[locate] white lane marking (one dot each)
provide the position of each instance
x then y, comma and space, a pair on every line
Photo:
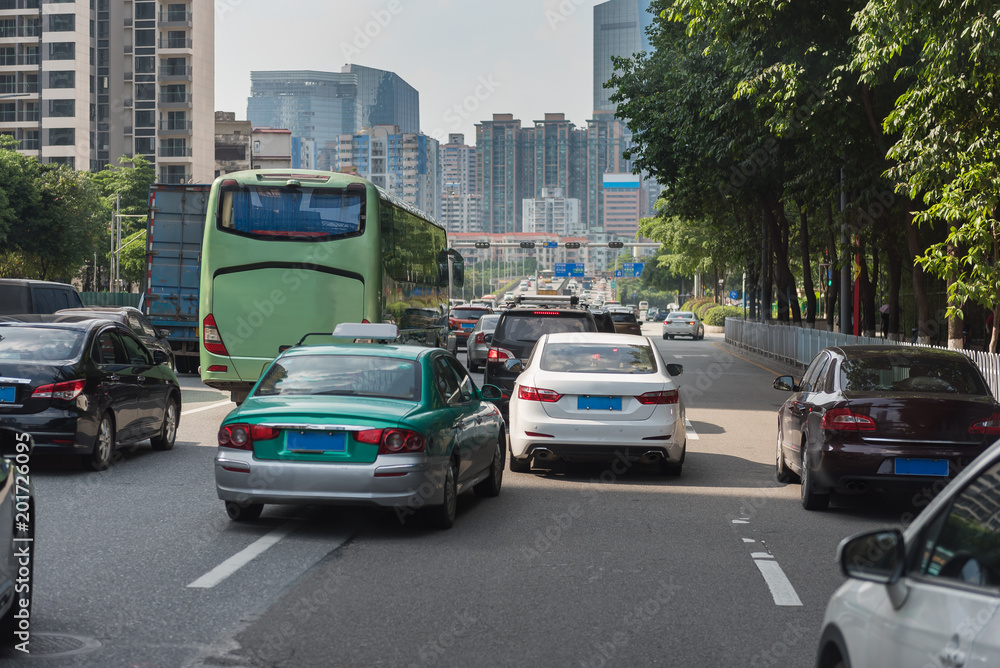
749, 540
762, 555
242, 558
206, 408
782, 590
691, 433
680, 357
741, 521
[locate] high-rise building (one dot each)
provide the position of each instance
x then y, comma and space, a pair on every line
318, 107
84, 82
619, 30
504, 172
559, 157
460, 208
553, 213
623, 204
404, 164
606, 143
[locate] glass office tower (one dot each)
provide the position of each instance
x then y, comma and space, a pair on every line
619, 30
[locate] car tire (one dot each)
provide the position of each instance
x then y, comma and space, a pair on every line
443, 516
104, 445
782, 473
520, 465
470, 365
491, 485
243, 512
168, 430
665, 337
810, 499
671, 469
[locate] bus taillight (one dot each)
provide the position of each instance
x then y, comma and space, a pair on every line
211, 337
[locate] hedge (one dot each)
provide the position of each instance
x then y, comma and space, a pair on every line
716, 317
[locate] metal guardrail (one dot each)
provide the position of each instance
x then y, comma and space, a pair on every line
798, 345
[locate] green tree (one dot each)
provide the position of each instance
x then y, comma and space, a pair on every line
19, 200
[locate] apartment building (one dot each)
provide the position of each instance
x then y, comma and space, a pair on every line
460, 206
84, 82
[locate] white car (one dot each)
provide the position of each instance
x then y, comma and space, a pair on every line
929, 595
596, 397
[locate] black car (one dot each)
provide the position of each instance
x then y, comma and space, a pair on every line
85, 388
520, 327
18, 295
131, 317
17, 519
605, 323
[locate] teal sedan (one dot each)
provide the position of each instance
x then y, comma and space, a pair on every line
396, 426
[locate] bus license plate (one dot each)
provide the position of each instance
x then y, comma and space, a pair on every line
8, 394
599, 403
317, 441
906, 466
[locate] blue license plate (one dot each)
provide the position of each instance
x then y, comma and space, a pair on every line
316, 441
468, 325
8, 394
599, 403
906, 466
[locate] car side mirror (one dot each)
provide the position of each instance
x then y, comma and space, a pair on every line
874, 556
784, 383
513, 366
164, 332
14, 443
160, 357
491, 393
675, 369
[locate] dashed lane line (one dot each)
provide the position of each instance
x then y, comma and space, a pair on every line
205, 408
242, 558
691, 433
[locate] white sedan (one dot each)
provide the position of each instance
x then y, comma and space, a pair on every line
596, 397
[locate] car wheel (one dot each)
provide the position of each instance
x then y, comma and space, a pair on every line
168, 431
243, 512
470, 365
782, 472
810, 499
443, 516
100, 458
671, 469
665, 337
491, 485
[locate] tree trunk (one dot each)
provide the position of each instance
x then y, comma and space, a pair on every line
833, 289
807, 277
869, 283
919, 287
956, 325
895, 283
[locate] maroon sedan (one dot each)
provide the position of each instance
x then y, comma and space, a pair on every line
882, 417
462, 319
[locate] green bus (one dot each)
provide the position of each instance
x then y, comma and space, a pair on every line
293, 252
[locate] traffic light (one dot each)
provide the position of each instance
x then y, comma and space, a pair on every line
615, 244
572, 244
527, 244
482, 244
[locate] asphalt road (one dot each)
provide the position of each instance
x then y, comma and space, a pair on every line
608, 565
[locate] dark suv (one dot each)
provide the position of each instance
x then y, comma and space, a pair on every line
22, 296
520, 327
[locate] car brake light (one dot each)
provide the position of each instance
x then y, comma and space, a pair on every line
400, 441
499, 355
236, 436
664, 397
261, 433
545, 312
480, 338
537, 394
453, 323
987, 427
843, 419
369, 436
211, 337
67, 391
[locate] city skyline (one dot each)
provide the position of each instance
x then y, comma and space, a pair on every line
457, 56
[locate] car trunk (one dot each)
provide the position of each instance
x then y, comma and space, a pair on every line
589, 396
18, 381
322, 429
922, 417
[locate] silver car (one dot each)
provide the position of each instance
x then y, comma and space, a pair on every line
478, 345
683, 323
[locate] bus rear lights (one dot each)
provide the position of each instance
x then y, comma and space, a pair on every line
211, 338
218, 368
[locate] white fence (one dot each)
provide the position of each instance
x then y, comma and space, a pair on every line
798, 345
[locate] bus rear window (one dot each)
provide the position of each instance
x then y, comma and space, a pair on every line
276, 212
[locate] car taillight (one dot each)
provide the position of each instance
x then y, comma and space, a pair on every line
499, 355
236, 436
262, 433
843, 419
537, 394
400, 441
987, 427
664, 397
453, 323
480, 338
66, 391
211, 338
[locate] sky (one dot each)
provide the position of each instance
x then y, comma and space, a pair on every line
468, 59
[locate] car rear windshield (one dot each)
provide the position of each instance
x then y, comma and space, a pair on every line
40, 344
346, 375
529, 327
468, 313
597, 358
906, 373
623, 317
680, 316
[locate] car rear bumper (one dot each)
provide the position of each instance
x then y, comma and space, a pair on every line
586, 440
681, 331
860, 466
56, 430
402, 481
